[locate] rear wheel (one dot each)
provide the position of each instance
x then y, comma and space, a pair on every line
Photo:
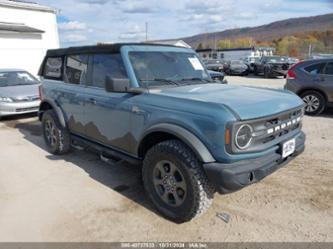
314, 102
175, 181
56, 137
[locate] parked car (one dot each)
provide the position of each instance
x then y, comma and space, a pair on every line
272, 66
236, 67
312, 80
215, 65
156, 106
292, 60
217, 76
250, 61
18, 92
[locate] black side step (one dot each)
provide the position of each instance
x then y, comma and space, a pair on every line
111, 161
106, 154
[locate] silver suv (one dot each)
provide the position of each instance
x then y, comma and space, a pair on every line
312, 80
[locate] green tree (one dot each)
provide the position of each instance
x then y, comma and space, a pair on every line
244, 42
200, 46
225, 43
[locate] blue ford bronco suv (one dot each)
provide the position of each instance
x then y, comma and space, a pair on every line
156, 106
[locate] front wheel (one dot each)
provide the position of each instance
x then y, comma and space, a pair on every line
314, 102
175, 181
255, 71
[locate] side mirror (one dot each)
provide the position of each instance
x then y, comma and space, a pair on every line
117, 85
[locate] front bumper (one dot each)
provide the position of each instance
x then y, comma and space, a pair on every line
278, 72
15, 108
230, 177
238, 72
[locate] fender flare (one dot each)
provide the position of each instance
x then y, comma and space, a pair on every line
57, 110
185, 136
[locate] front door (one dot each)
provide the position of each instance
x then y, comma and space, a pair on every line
107, 114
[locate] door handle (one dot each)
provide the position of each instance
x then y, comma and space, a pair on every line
92, 101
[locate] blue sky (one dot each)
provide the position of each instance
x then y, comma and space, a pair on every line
92, 21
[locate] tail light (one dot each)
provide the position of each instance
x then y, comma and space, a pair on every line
291, 73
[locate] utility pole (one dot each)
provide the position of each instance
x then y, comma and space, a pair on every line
146, 25
310, 50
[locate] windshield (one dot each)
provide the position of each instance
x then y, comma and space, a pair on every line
275, 59
16, 78
165, 68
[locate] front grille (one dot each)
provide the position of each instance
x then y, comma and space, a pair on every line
26, 99
281, 67
277, 126
270, 131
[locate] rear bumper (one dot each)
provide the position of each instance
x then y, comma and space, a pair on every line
7, 109
230, 177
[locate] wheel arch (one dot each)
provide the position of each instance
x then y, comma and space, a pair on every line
50, 105
162, 132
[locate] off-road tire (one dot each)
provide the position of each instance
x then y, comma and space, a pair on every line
321, 99
61, 137
200, 192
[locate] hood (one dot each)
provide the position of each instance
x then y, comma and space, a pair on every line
246, 102
19, 91
239, 66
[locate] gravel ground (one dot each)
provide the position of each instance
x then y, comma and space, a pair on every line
79, 198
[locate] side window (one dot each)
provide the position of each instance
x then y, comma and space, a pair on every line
315, 68
76, 69
106, 67
329, 68
53, 68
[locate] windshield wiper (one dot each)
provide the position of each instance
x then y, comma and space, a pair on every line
195, 79
170, 82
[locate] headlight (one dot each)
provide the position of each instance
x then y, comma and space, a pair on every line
243, 136
5, 99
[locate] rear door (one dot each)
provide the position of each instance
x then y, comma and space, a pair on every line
328, 80
107, 114
65, 88
72, 96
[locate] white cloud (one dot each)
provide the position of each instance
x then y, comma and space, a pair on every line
247, 15
95, 1
94, 21
138, 7
135, 33
74, 38
72, 25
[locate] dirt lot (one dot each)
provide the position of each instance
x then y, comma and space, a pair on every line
79, 198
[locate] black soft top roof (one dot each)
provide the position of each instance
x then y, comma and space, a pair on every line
101, 48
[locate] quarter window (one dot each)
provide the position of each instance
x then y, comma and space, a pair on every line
329, 68
76, 69
107, 67
53, 68
315, 68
